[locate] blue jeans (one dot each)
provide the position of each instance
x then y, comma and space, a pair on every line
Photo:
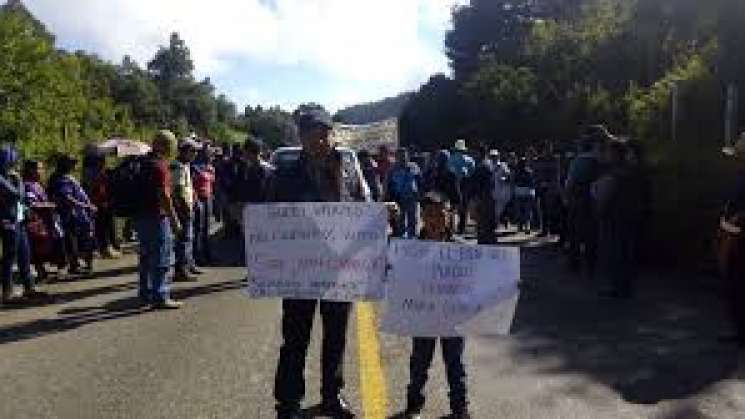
408, 219
185, 246
156, 256
16, 250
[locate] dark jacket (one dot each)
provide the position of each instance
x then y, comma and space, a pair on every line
297, 182
734, 206
372, 177
251, 182
482, 182
11, 192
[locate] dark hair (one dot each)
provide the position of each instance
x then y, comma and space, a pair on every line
29, 167
65, 164
252, 146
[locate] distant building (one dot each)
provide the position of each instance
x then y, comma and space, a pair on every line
367, 137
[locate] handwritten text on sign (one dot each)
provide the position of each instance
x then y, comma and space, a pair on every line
448, 289
332, 251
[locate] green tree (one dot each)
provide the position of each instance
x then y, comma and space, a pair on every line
435, 116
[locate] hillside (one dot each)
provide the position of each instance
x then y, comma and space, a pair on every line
367, 113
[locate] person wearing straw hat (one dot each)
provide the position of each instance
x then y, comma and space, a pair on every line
732, 243
462, 166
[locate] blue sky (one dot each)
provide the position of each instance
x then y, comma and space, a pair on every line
271, 52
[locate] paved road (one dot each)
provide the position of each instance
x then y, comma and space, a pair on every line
96, 354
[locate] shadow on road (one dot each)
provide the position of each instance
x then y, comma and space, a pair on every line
73, 318
661, 345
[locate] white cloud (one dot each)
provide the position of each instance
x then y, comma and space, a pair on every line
352, 41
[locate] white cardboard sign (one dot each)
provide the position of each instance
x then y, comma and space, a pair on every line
449, 289
331, 251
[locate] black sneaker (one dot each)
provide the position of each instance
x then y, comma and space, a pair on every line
289, 413
337, 408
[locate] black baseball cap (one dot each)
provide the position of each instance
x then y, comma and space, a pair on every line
310, 115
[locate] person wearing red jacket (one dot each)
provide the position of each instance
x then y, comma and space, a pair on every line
203, 179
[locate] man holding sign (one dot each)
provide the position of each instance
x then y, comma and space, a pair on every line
317, 176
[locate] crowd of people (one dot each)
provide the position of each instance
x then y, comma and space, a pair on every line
594, 202
62, 222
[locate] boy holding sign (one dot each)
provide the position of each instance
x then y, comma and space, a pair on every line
435, 214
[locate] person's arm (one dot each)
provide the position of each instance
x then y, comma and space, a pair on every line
9, 187
68, 195
163, 187
167, 203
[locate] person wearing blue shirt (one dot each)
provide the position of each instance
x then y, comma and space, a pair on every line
404, 185
462, 166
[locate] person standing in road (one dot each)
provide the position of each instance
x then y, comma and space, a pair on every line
483, 195
156, 225
435, 214
183, 201
77, 213
203, 177
440, 178
317, 176
403, 188
502, 185
13, 217
618, 198
732, 244
546, 177
384, 162
372, 176
44, 226
98, 187
252, 177
462, 166
584, 170
524, 196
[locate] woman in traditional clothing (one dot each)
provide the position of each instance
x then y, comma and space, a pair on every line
76, 211
45, 233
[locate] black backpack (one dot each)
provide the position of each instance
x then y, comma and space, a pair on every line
129, 184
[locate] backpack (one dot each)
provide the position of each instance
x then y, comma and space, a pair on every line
129, 182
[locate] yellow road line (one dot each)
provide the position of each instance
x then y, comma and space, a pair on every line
372, 377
